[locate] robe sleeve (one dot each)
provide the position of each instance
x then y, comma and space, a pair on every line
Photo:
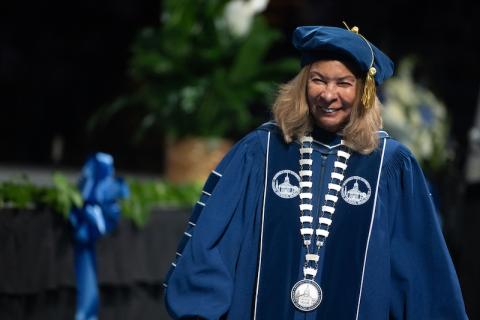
424, 284
201, 281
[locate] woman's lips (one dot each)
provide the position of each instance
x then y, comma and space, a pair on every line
329, 110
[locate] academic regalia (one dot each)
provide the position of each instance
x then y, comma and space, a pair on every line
242, 252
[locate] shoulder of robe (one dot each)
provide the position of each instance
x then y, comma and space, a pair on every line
253, 144
268, 130
397, 156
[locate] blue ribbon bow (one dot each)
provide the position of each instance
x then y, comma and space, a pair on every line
99, 215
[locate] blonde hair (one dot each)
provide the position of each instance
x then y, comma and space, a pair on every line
292, 114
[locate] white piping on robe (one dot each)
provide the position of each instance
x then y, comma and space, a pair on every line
370, 230
261, 230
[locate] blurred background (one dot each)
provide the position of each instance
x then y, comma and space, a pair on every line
148, 80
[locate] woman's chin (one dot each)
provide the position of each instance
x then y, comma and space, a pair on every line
330, 124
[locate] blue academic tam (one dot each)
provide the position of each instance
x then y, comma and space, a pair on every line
317, 42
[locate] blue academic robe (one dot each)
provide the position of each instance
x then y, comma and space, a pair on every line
242, 253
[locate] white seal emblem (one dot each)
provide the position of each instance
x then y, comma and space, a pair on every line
283, 185
356, 190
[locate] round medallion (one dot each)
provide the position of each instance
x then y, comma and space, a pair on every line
306, 295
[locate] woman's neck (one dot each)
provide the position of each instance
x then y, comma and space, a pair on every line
324, 136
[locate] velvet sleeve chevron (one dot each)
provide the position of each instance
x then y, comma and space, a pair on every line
200, 282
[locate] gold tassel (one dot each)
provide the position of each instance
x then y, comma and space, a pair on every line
369, 91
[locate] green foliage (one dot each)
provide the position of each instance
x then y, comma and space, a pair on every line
193, 76
146, 195
21, 193
62, 196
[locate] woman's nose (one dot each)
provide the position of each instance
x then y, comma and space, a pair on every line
329, 94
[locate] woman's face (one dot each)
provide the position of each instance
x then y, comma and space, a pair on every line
331, 94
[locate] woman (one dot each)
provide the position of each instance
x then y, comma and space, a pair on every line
318, 215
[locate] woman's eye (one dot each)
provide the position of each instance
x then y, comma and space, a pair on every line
318, 80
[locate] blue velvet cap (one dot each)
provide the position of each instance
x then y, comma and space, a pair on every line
320, 42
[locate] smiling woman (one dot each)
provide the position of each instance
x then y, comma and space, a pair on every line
322, 171
331, 94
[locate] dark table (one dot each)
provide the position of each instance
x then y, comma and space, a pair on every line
37, 278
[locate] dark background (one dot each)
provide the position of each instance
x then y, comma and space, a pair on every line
60, 61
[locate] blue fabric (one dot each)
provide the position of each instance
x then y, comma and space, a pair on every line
408, 271
422, 278
345, 245
314, 42
223, 240
99, 215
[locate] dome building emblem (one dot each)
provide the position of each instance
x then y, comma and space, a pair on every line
286, 184
356, 190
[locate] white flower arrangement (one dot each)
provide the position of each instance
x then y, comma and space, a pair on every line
414, 116
238, 15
